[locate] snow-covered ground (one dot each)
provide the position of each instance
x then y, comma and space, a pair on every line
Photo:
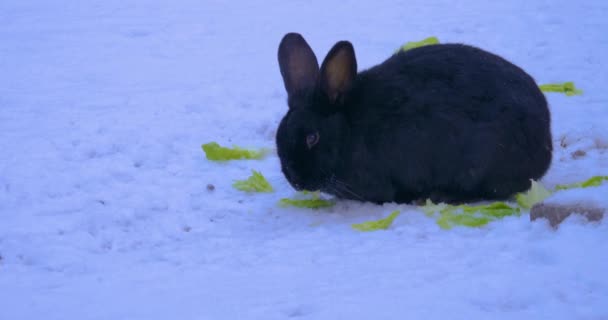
104, 210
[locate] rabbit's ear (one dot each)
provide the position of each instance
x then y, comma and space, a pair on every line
298, 63
338, 71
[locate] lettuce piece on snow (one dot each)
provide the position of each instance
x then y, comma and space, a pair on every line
449, 219
314, 202
416, 44
591, 182
381, 224
215, 152
495, 210
306, 203
594, 182
468, 216
534, 195
567, 88
255, 183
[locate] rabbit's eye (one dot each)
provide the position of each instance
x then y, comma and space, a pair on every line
312, 139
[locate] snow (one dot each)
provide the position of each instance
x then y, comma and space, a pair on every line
103, 201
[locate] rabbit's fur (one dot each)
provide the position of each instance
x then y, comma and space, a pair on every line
448, 122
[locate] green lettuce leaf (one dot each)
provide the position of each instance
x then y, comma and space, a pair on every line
215, 152
313, 201
416, 44
449, 219
449, 216
567, 88
534, 195
594, 182
306, 203
591, 182
255, 183
381, 224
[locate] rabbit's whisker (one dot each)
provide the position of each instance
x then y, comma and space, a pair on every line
343, 188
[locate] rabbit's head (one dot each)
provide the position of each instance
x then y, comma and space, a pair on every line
314, 130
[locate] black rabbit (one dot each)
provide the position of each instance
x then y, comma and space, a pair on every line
448, 122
